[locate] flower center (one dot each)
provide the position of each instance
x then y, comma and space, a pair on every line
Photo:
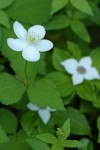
81, 70
31, 40
32, 37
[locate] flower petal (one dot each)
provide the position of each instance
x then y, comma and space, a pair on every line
43, 45
16, 44
77, 78
44, 115
19, 30
91, 74
31, 54
32, 107
86, 62
70, 65
37, 30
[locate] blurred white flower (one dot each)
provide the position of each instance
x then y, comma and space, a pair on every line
29, 42
81, 70
44, 113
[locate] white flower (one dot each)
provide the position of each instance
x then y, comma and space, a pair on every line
81, 70
44, 113
31, 42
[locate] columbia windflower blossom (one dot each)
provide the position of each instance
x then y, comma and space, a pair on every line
30, 42
44, 113
80, 70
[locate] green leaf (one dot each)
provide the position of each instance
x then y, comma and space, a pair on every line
86, 91
11, 90
15, 144
30, 11
80, 30
5, 50
1, 68
59, 55
58, 22
21, 105
96, 17
45, 128
47, 138
37, 144
21, 140
74, 50
26, 68
87, 144
69, 99
63, 82
72, 143
44, 93
66, 129
98, 126
3, 137
86, 106
96, 103
1, 39
58, 4
28, 121
8, 121
4, 20
83, 6
80, 15
57, 146
12, 144
5, 3
42, 64
79, 123
96, 58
